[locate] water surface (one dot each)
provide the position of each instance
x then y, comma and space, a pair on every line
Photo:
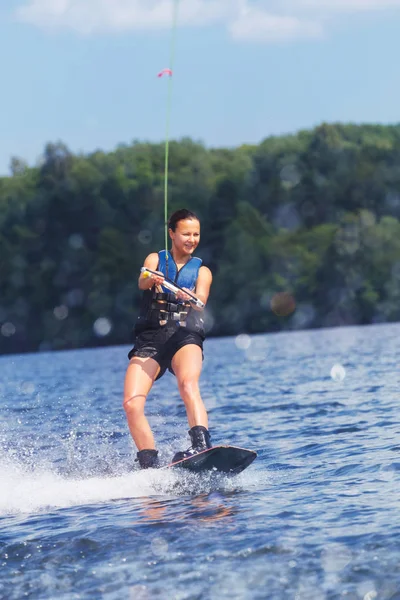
315, 517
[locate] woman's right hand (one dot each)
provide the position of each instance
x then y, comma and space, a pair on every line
157, 278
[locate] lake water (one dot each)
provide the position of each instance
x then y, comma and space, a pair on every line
315, 517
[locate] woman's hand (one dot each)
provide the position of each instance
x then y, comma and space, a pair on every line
157, 278
147, 280
182, 296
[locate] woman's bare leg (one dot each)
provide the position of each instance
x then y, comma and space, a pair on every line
140, 376
187, 364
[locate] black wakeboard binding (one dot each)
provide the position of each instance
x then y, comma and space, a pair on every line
201, 440
148, 459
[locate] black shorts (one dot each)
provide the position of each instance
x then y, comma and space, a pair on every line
162, 344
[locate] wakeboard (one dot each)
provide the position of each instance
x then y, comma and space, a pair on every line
222, 459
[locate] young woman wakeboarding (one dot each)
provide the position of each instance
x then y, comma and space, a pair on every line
169, 334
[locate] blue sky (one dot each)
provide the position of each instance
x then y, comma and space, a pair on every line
85, 72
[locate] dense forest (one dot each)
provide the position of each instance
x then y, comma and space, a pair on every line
300, 231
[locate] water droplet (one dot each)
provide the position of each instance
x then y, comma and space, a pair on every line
208, 320
8, 329
338, 372
304, 316
290, 176
370, 595
243, 341
102, 326
145, 236
76, 241
286, 217
265, 300
61, 312
283, 304
27, 387
138, 592
335, 558
159, 546
75, 297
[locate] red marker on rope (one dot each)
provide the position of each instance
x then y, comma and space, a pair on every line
165, 72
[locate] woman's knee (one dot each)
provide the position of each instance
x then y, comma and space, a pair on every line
134, 405
188, 386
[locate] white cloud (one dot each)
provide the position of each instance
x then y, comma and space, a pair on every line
253, 20
259, 26
345, 6
92, 16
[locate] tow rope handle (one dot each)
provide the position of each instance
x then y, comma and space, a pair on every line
173, 287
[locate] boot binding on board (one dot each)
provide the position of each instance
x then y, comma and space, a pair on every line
147, 459
201, 440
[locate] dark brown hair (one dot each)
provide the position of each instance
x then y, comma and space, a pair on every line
181, 215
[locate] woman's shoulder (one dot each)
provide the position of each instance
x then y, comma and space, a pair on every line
151, 260
205, 271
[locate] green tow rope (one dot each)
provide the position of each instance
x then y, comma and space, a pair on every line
169, 102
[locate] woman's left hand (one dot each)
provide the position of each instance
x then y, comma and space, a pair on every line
182, 296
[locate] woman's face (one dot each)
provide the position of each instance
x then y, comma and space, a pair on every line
186, 236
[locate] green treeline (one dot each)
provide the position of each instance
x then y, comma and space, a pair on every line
299, 231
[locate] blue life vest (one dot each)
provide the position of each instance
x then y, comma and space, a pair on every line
186, 277
159, 308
